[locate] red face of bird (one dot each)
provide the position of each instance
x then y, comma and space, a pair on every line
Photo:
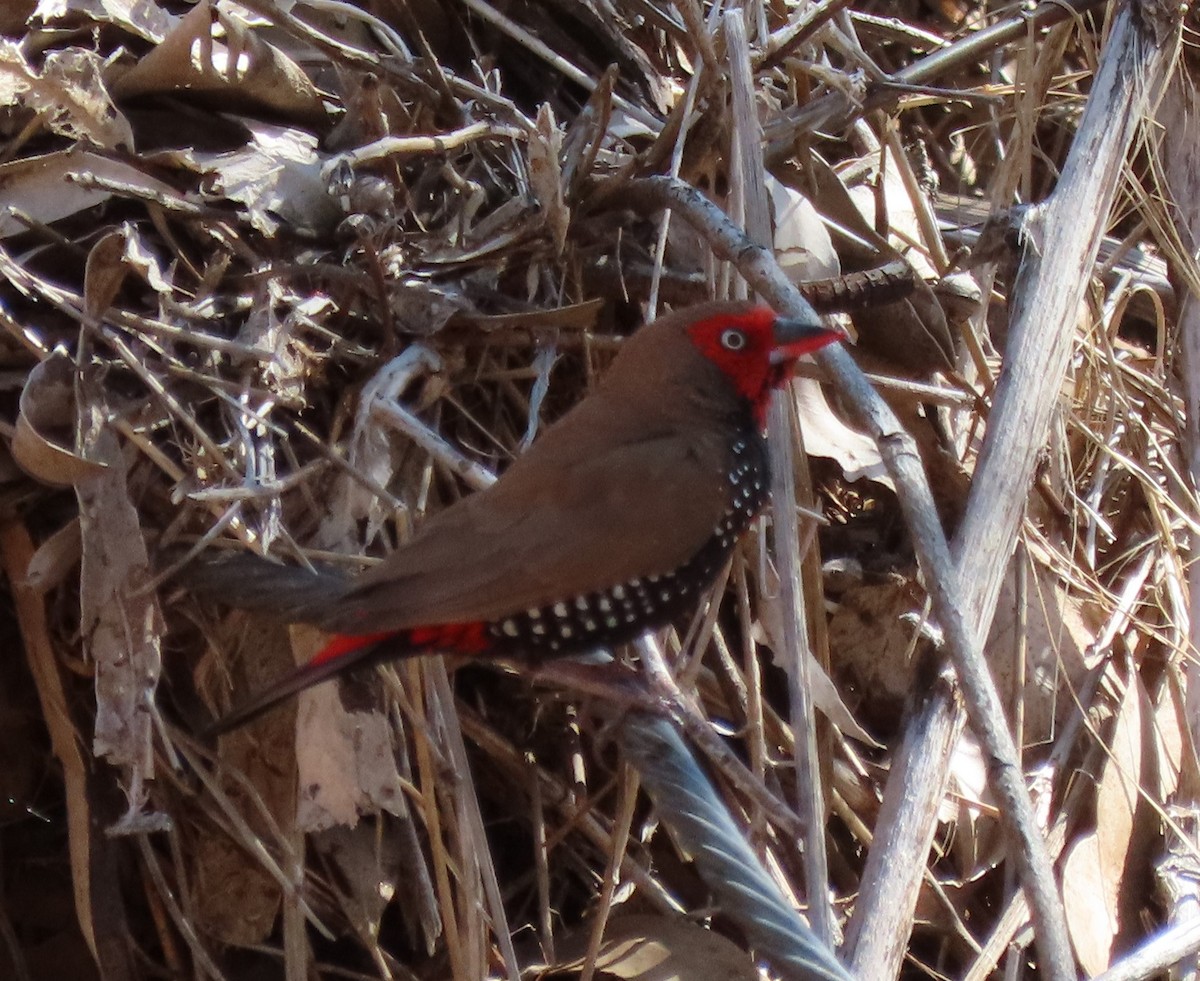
758, 349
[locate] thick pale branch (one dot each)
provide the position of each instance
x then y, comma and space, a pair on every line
904, 466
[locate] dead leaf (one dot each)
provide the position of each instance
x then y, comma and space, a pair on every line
1089, 901
346, 759
43, 444
1127, 825
1057, 635
104, 273
570, 316
68, 92
236, 900
826, 698
912, 333
1169, 743
969, 806
143, 18
55, 557
16, 549
655, 948
545, 176
121, 622
117, 254
212, 53
370, 870
1096, 875
277, 177
897, 205
1117, 788
44, 189
870, 640
802, 244
826, 435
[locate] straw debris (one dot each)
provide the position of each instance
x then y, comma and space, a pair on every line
288, 278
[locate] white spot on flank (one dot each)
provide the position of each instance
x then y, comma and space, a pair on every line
618, 592
604, 604
533, 613
560, 609
581, 604
539, 629
510, 628
565, 631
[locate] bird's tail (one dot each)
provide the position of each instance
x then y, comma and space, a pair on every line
295, 595
292, 595
340, 654
344, 651
250, 582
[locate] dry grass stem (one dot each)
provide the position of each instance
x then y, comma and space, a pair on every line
292, 281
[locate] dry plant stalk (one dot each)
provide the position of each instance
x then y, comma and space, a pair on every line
290, 281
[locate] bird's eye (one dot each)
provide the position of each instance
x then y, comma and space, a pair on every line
733, 340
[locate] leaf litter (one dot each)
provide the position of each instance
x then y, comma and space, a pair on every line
291, 280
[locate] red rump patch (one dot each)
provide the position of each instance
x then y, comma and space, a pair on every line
342, 644
463, 638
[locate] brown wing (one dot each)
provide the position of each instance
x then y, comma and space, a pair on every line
568, 518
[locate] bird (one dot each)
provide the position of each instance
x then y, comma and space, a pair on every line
613, 523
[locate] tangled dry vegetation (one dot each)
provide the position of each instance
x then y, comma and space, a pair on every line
290, 279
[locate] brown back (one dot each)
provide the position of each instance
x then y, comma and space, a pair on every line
630, 483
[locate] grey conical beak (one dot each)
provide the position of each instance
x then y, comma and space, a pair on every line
797, 336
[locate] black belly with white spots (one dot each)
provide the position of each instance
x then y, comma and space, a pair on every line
624, 611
